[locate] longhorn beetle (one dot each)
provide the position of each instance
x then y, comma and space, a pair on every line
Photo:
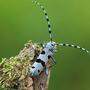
48, 50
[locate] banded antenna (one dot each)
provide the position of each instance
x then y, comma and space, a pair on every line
50, 31
74, 46
46, 16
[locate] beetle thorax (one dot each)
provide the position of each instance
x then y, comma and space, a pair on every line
51, 46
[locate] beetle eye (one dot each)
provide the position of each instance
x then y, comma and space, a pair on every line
52, 44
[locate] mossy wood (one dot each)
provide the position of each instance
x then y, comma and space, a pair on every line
14, 73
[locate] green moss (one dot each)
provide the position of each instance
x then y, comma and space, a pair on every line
15, 69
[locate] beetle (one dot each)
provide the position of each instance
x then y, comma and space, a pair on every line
48, 49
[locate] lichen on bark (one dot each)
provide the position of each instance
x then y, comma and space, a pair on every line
14, 71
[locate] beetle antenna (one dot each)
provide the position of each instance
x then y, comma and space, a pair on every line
46, 16
74, 46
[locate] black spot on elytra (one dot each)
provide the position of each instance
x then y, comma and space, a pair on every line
43, 52
40, 61
49, 56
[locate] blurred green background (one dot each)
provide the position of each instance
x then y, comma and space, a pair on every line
21, 21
